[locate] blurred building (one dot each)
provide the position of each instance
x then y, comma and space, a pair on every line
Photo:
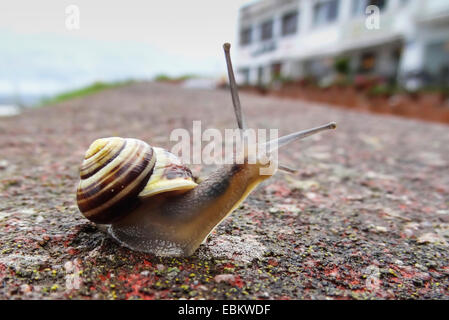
299, 38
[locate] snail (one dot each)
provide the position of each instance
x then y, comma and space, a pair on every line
150, 202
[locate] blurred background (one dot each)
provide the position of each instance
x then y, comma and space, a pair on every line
404, 42
387, 56
44, 51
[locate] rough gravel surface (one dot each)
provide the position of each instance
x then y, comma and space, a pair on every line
365, 217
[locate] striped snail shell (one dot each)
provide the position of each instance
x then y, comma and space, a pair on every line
118, 174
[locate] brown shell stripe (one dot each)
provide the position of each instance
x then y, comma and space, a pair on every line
114, 175
89, 168
173, 171
120, 188
88, 195
104, 181
108, 205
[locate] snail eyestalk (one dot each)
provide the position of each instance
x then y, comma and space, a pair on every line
273, 145
233, 86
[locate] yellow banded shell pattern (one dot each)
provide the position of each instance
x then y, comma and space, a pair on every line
112, 174
117, 174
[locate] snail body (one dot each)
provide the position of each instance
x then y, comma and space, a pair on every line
149, 200
153, 205
177, 225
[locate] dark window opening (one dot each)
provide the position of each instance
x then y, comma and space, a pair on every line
245, 75
367, 62
325, 12
359, 6
259, 75
289, 23
276, 70
395, 57
245, 36
267, 30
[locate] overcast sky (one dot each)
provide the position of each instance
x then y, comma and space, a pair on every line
116, 39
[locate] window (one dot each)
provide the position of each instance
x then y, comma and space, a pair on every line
325, 12
367, 62
289, 23
359, 6
267, 30
245, 75
245, 36
259, 75
276, 70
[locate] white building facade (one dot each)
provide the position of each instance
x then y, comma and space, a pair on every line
400, 40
